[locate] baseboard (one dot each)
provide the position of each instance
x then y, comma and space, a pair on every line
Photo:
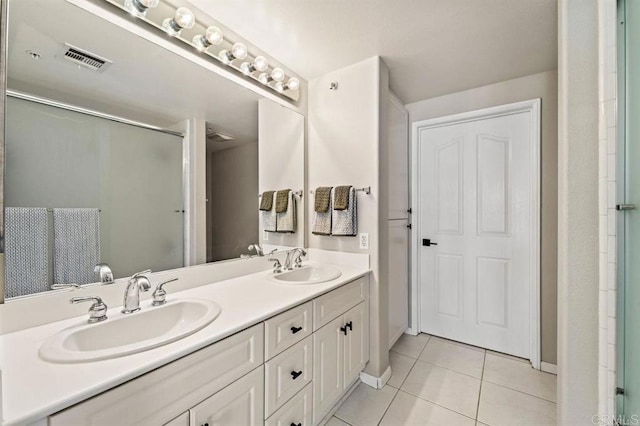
549, 368
412, 331
376, 382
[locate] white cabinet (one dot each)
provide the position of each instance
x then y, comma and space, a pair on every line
286, 329
159, 396
356, 342
295, 412
280, 370
287, 374
340, 352
328, 367
239, 404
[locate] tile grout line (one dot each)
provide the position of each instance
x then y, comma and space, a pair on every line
437, 404
522, 392
455, 371
484, 361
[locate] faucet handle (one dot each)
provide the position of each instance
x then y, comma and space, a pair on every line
277, 266
159, 294
97, 311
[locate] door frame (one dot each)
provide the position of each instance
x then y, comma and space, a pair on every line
532, 107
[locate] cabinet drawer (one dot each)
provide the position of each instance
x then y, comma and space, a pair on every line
337, 302
239, 404
159, 396
295, 412
286, 329
287, 374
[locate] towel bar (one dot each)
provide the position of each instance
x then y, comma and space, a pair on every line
298, 193
366, 190
50, 210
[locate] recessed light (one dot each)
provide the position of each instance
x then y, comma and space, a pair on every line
34, 55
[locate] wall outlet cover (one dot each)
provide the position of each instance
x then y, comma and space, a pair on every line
363, 239
265, 236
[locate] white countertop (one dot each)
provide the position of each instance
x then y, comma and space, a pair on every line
33, 389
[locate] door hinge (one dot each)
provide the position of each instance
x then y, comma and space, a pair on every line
619, 391
409, 226
625, 207
409, 210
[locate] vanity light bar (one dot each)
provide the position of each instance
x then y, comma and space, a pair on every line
235, 56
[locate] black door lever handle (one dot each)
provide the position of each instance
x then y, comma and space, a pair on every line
427, 242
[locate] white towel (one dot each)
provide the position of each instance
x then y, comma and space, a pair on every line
286, 222
345, 222
27, 251
322, 221
76, 245
269, 218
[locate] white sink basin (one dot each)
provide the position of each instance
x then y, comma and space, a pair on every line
127, 334
306, 275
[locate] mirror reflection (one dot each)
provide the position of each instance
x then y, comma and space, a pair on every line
118, 162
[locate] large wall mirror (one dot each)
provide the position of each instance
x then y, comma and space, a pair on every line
136, 158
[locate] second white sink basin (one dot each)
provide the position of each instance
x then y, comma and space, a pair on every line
130, 333
313, 274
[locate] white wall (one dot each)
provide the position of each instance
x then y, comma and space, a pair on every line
281, 163
544, 86
346, 128
578, 212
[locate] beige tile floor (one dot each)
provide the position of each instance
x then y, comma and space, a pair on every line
444, 383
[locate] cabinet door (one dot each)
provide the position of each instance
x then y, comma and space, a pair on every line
239, 404
286, 374
328, 358
295, 412
356, 342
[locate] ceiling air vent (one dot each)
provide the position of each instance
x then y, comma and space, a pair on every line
219, 137
84, 58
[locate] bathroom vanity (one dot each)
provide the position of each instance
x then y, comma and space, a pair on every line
277, 354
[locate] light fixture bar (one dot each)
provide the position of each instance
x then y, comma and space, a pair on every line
236, 56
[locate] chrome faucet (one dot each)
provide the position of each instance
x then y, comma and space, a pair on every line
277, 267
137, 283
257, 248
97, 311
105, 273
160, 294
298, 259
296, 254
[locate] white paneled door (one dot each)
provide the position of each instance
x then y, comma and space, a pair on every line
475, 239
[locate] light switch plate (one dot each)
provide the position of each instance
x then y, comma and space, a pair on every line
265, 236
363, 238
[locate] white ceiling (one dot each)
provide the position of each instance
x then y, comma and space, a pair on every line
432, 47
145, 82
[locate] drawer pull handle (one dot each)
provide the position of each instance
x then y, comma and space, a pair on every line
296, 424
295, 374
350, 325
344, 330
294, 330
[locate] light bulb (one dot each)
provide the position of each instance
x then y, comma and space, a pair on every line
277, 74
264, 78
213, 35
293, 83
260, 63
246, 68
139, 7
279, 86
239, 50
182, 19
224, 56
